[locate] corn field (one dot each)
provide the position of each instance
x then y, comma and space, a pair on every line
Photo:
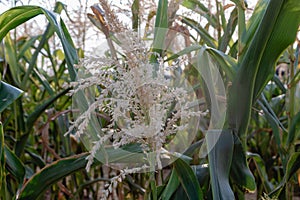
182, 99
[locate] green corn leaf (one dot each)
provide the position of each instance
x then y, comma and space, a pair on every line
33, 59
220, 150
227, 63
202, 174
229, 30
14, 165
205, 36
283, 34
8, 94
240, 172
252, 24
127, 154
185, 51
11, 59
241, 7
161, 14
202, 10
171, 187
262, 172
188, 179
257, 65
26, 46
161, 25
50, 174
18, 15
292, 166
215, 88
42, 79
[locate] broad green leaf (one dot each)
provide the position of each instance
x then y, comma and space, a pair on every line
252, 24
202, 10
127, 154
171, 187
161, 25
50, 174
153, 187
202, 174
26, 46
283, 34
8, 94
214, 86
262, 172
240, 172
205, 36
33, 59
185, 51
18, 15
241, 8
161, 20
11, 59
226, 63
220, 151
292, 166
14, 165
257, 65
229, 30
188, 179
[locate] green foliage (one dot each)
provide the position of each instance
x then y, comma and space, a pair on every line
18, 15
20, 66
219, 164
261, 130
50, 174
8, 94
188, 179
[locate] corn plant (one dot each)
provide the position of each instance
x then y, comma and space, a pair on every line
248, 67
245, 65
23, 64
